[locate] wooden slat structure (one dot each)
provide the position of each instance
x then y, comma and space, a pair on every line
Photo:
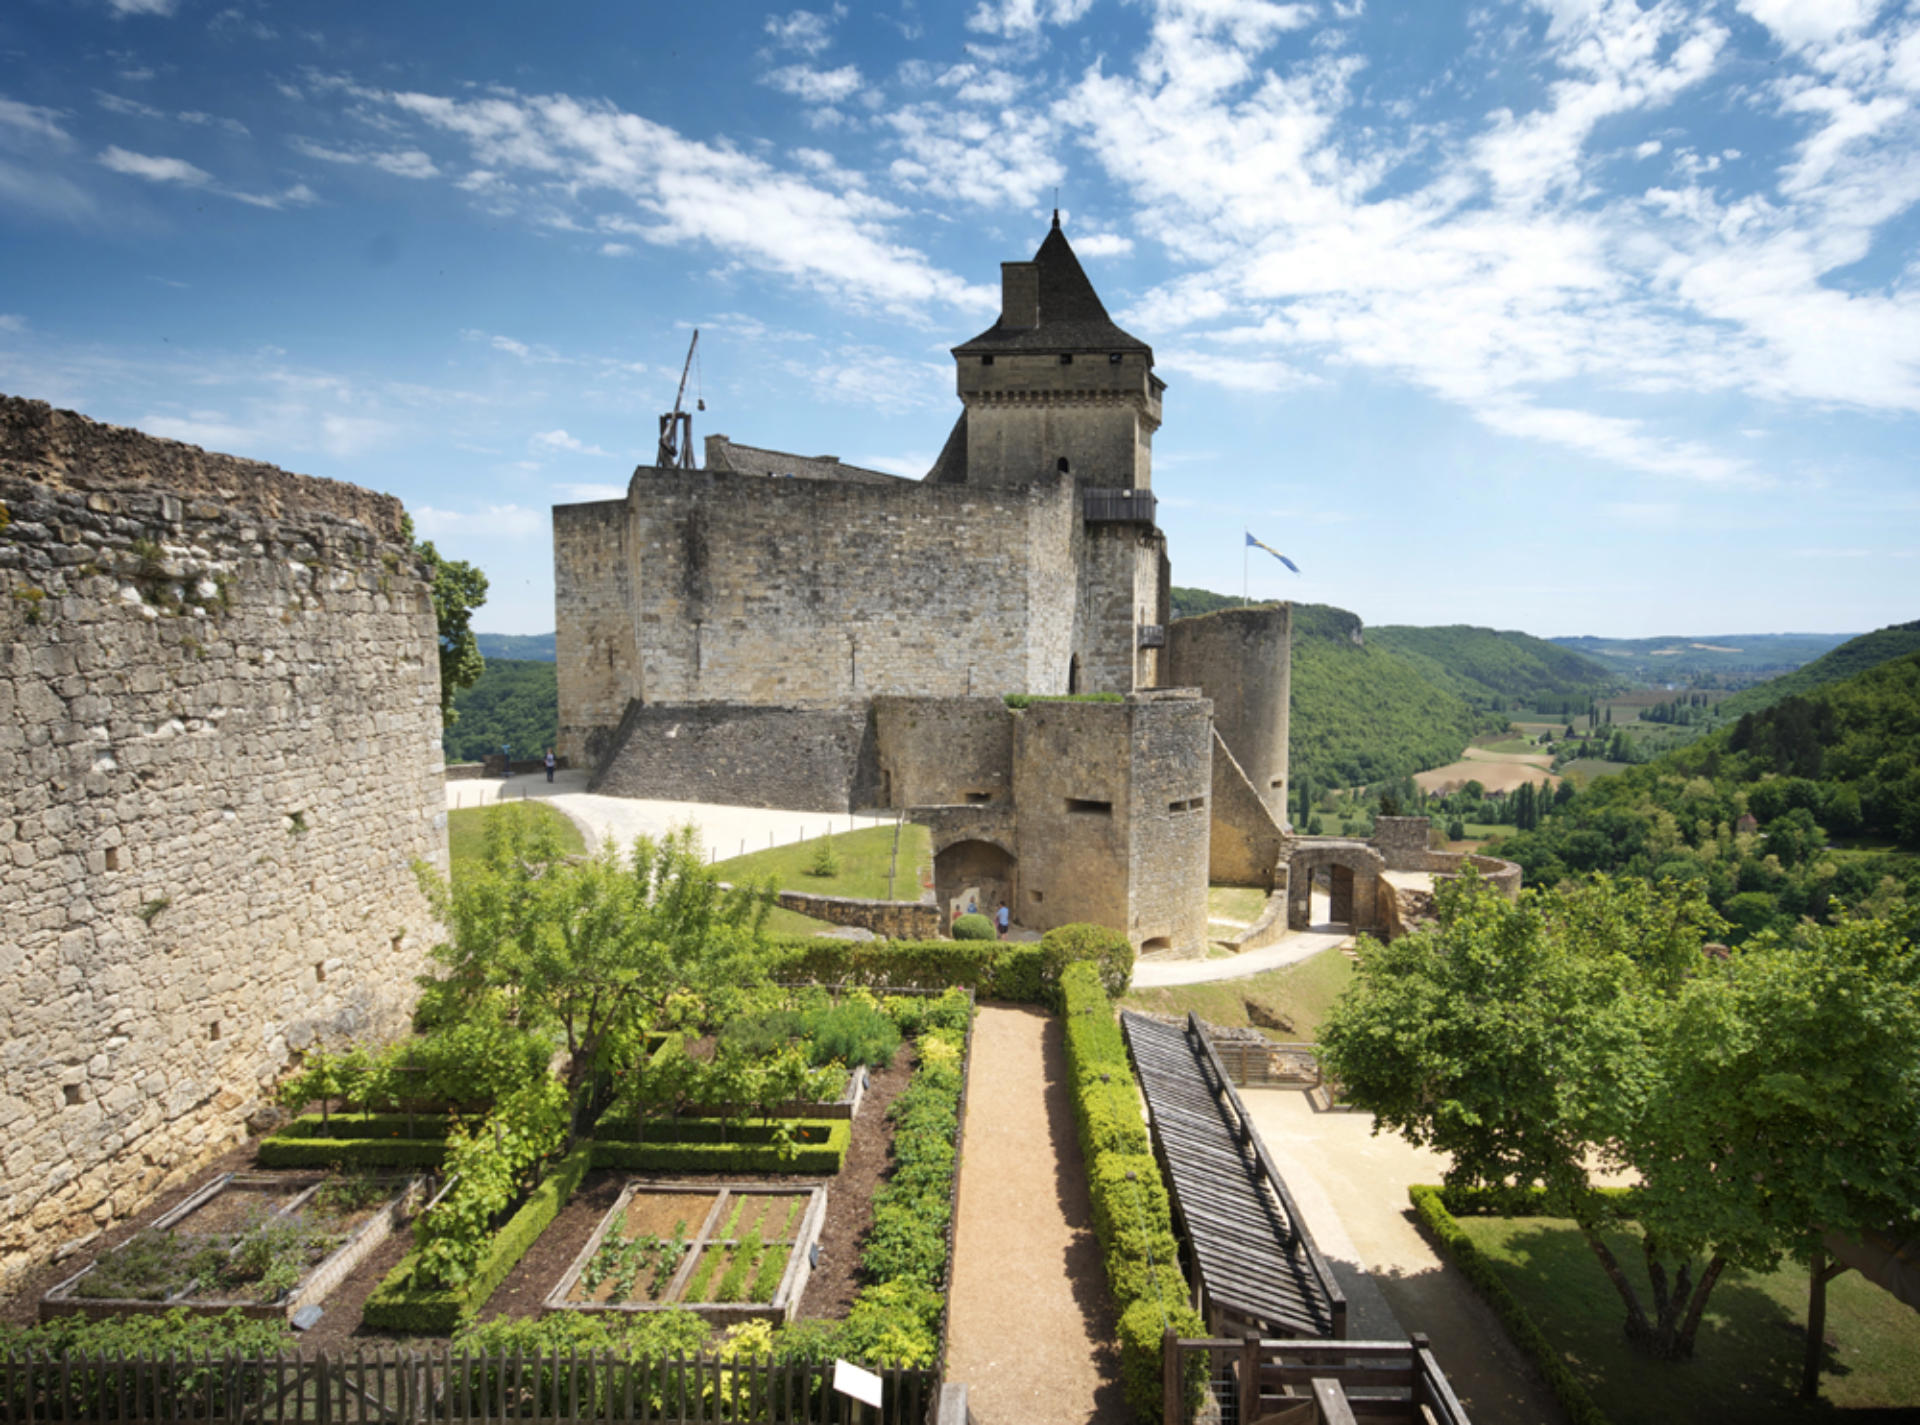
1256, 1270
1306, 1382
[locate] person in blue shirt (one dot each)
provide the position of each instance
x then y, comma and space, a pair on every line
1003, 919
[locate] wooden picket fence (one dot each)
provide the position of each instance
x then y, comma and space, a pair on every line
446, 1386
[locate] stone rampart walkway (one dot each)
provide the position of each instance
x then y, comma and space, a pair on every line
1032, 1329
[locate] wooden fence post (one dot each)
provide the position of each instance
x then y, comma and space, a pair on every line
1172, 1405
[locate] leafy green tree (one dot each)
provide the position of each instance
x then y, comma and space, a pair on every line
590, 948
1586, 1027
458, 590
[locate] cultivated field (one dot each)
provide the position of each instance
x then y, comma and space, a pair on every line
1497, 771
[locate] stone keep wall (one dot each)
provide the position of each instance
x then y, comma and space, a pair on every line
805, 759
595, 654
943, 751
801, 593
220, 744
1172, 740
1247, 846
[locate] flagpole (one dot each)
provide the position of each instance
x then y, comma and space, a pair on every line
1243, 570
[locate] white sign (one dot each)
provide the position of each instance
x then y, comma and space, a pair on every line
862, 1385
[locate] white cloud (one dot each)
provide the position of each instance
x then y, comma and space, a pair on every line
625, 176
154, 170
1236, 373
402, 163
867, 376
32, 119
1808, 22
1014, 18
912, 465
560, 440
498, 521
11, 322
1102, 245
805, 30
989, 159
616, 249
816, 86
588, 492
142, 7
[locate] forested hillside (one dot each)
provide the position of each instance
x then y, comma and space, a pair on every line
1498, 668
516, 701
1854, 656
1725, 660
1364, 714
1841, 763
1189, 602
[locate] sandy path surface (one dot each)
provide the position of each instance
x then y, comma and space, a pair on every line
1352, 1188
723, 830
1032, 1327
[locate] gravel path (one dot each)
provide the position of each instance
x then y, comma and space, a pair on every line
1032, 1326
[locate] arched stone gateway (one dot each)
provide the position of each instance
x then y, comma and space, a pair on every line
973, 868
1353, 869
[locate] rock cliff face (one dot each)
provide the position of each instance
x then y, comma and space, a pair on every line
219, 744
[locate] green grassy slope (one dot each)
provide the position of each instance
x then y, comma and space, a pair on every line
516, 702
1856, 655
1490, 667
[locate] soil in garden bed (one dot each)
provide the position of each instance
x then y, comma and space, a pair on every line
553, 1251
775, 1216
241, 1207
836, 1280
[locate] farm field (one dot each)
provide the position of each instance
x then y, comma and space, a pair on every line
1497, 771
1747, 1360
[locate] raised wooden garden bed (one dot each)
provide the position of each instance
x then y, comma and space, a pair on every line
845, 1106
263, 1244
733, 1253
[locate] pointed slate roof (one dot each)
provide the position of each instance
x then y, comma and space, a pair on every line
1072, 317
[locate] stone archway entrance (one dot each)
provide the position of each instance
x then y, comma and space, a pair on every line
1353, 878
970, 869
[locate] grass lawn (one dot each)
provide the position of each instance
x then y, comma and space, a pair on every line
865, 856
1748, 1355
1587, 768
1298, 995
1241, 903
1503, 744
466, 830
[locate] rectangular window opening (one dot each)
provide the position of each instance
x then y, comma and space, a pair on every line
1066, 358
986, 361
1083, 806
1278, 782
1113, 358
1190, 804
213, 1030
975, 798
319, 972
113, 858
72, 1093
1038, 896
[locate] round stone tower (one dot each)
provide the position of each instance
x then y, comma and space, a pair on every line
1241, 659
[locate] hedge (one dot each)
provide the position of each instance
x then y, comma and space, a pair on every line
361, 1140
1430, 1206
807, 1132
1132, 1218
1021, 972
397, 1305
656, 1156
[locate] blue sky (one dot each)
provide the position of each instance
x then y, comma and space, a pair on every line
1595, 317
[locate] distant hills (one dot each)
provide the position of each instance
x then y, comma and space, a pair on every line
1498, 667
516, 701
1724, 660
1856, 655
535, 646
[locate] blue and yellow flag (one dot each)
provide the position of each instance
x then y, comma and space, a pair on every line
1253, 543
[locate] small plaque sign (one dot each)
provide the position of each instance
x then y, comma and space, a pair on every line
862, 1385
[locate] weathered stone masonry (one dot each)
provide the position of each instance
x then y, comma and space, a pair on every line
219, 740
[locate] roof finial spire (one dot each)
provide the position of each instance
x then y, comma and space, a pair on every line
1056, 207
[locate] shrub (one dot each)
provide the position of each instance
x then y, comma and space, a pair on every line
852, 1034
974, 927
826, 859
1065, 945
97, 1392
826, 1157
645, 1339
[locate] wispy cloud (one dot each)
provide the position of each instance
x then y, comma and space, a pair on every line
816, 86
178, 172
808, 31
559, 440
401, 163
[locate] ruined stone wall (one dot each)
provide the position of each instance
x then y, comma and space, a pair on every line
220, 747
890, 920
804, 759
1172, 743
1404, 841
941, 751
596, 655
1247, 846
1242, 660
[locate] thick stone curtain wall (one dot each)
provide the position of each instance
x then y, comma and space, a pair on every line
219, 741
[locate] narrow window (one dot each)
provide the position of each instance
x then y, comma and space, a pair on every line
319, 972
1066, 358
72, 1094
113, 858
1084, 806
1113, 358
986, 361
1278, 782
1038, 896
213, 1030
975, 798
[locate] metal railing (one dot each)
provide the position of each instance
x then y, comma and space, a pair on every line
1119, 506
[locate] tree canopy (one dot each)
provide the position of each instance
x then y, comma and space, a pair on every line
1759, 1095
591, 948
458, 590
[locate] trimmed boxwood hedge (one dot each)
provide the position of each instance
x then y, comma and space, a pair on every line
1430, 1205
398, 1305
368, 1140
655, 1154
1132, 1218
1022, 972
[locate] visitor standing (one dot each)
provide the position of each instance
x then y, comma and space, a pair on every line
552, 762
1003, 919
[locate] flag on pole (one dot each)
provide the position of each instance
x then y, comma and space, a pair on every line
1253, 543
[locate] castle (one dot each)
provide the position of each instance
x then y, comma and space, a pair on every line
784, 630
